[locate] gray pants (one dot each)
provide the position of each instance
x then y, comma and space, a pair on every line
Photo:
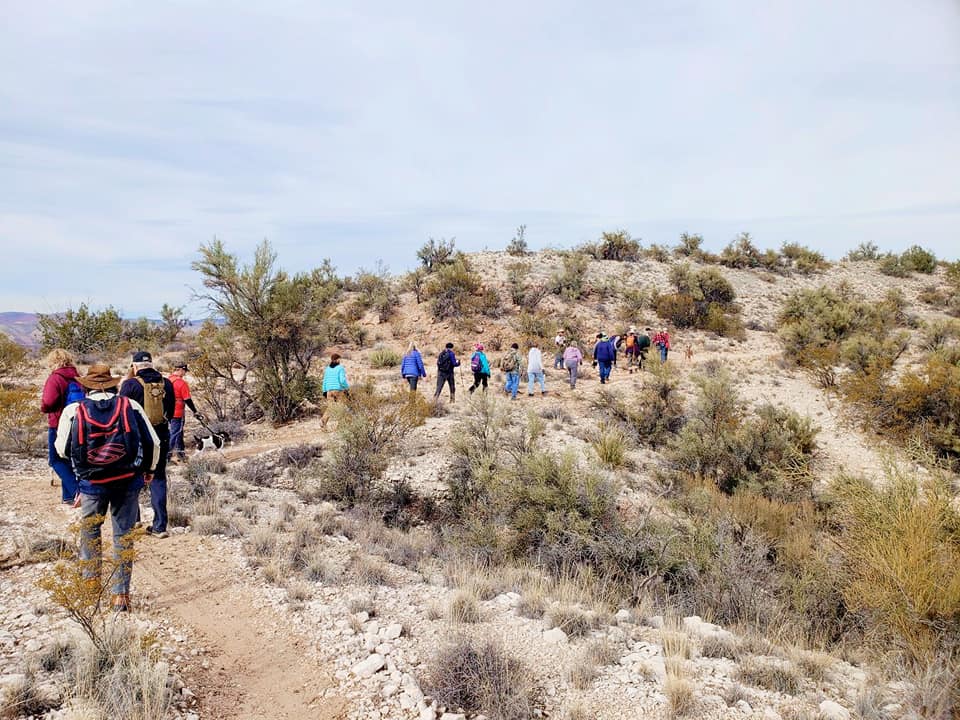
122, 504
573, 368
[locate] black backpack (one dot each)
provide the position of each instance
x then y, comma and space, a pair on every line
106, 440
445, 361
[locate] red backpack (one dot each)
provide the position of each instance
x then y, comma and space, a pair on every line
106, 441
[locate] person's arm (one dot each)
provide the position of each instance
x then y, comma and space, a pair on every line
52, 399
344, 385
63, 430
421, 370
149, 436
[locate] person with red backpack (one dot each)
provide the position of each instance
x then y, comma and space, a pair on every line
114, 450
60, 389
154, 393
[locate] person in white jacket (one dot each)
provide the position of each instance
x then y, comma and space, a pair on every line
535, 371
107, 482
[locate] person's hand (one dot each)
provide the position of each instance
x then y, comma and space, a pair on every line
324, 393
200, 416
148, 478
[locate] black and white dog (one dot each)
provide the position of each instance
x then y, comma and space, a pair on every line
210, 440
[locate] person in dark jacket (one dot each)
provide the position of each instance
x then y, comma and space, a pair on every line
446, 362
604, 355
411, 368
145, 377
52, 403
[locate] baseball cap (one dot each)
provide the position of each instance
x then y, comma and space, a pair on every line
142, 356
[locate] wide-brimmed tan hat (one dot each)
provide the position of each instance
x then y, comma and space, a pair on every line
98, 377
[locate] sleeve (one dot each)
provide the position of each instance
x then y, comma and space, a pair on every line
148, 435
456, 361
63, 430
189, 403
132, 389
52, 399
343, 378
420, 368
169, 399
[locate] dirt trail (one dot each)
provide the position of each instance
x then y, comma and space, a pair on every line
257, 666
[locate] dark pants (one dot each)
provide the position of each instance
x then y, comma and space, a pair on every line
122, 504
478, 378
158, 488
412, 380
605, 367
63, 469
176, 438
445, 377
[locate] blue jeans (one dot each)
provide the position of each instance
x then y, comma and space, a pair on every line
122, 504
605, 366
176, 438
663, 353
533, 378
63, 468
558, 361
513, 383
158, 488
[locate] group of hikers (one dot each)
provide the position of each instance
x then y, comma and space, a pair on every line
109, 436
567, 356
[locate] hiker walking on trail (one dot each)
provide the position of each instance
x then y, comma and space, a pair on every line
411, 367
446, 362
182, 400
154, 393
535, 371
604, 355
114, 450
662, 341
335, 386
480, 366
60, 389
572, 357
560, 342
511, 364
632, 349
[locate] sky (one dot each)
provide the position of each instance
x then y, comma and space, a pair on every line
131, 133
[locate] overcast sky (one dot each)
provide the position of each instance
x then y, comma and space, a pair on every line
131, 132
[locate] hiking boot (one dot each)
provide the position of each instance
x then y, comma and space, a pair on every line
161, 534
471, 389
121, 603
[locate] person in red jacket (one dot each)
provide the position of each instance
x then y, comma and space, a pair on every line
55, 398
181, 392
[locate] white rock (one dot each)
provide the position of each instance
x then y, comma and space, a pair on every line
623, 616
829, 710
384, 648
744, 707
362, 616
771, 714
392, 632
453, 716
692, 623
370, 666
655, 621
555, 635
428, 713
389, 689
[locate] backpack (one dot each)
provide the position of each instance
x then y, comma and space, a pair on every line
445, 362
509, 362
105, 440
476, 364
153, 393
75, 393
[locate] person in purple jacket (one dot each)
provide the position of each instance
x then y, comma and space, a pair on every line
411, 368
56, 396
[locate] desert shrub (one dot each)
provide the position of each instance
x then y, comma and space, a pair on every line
516, 281
690, 246
383, 357
569, 283
769, 452
256, 471
703, 299
893, 266
12, 355
654, 416
464, 607
770, 674
434, 254
82, 331
617, 245
900, 544
534, 327
481, 678
633, 301
21, 426
610, 444
573, 621
518, 245
657, 252
741, 253
863, 251
415, 281
224, 379
299, 456
802, 259
489, 303
371, 427
453, 287
917, 259
278, 318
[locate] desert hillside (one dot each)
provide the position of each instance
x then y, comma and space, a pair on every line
697, 538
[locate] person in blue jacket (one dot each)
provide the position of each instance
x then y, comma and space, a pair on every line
480, 366
335, 385
604, 355
411, 368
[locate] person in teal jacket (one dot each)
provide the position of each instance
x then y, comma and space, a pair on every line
335, 385
480, 366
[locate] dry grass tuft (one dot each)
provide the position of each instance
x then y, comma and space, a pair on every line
573, 621
464, 607
770, 674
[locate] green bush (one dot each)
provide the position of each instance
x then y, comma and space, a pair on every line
453, 288
434, 254
891, 265
616, 245
917, 259
384, 358
804, 260
12, 355
518, 245
741, 253
655, 415
704, 299
864, 251
569, 283
690, 246
82, 331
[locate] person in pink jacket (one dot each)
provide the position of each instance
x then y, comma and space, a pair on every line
61, 382
572, 357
